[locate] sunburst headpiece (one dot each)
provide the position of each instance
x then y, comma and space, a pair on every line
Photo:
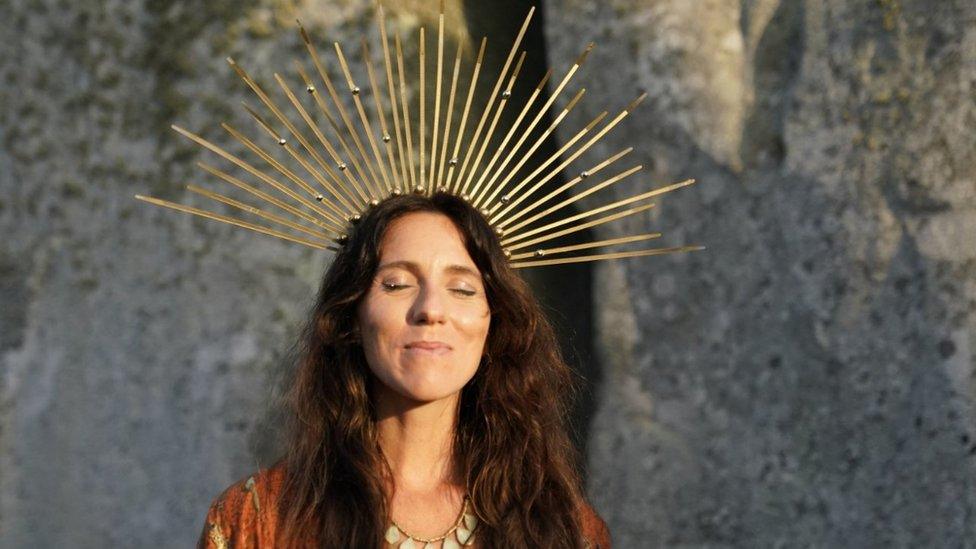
349, 166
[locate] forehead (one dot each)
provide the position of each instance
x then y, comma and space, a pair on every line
423, 237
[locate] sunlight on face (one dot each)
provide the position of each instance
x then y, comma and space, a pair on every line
425, 318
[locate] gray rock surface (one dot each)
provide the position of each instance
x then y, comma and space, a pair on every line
139, 346
809, 379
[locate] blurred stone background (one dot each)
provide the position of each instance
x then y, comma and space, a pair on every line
806, 381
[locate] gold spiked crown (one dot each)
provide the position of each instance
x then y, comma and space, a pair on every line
318, 210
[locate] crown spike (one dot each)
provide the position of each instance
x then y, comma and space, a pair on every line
301, 138
633, 104
249, 168
583, 175
404, 104
364, 119
308, 147
312, 170
306, 144
464, 118
580, 227
448, 116
253, 147
553, 172
233, 221
600, 257
262, 122
585, 246
391, 88
577, 197
259, 212
542, 112
274, 109
582, 57
528, 154
340, 107
268, 102
381, 114
422, 66
491, 128
495, 92
552, 158
511, 132
367, 127
513, 236
582, 149
361, 188
437, 100
263, 196
264, 155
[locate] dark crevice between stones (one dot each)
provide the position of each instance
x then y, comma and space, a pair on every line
565, 291
15, 297
775, 64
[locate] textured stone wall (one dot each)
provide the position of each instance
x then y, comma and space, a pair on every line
806, 381
139, 346
809, 379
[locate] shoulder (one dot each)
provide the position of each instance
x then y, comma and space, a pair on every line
594, 529
245, 514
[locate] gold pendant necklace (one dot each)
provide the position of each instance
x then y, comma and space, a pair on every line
461, 533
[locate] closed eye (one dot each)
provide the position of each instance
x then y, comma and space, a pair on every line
463, 291
393, 286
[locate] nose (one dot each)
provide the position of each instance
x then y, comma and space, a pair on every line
428, 308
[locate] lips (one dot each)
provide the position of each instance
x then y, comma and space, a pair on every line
432, 347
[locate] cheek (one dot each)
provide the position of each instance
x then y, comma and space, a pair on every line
377, 324
474, 326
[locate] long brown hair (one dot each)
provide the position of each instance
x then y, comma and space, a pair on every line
511, 441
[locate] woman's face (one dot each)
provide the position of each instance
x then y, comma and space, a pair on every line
425, 318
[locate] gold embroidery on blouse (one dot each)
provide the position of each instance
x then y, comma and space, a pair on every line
217, 537
250, 486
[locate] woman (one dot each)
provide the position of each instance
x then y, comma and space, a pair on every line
428, 407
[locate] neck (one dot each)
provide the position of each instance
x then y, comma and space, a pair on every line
417, 440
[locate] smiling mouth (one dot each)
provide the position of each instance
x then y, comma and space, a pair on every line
428, 347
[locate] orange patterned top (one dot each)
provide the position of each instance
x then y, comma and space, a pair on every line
246, 514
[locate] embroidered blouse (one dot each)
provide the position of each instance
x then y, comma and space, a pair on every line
246, 515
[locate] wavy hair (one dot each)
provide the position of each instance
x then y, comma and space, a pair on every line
511, 443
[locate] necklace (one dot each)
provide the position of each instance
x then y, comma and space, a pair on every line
462, 532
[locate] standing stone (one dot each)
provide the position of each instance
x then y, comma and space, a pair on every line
809, 379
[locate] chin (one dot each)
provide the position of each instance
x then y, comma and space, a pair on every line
428, 388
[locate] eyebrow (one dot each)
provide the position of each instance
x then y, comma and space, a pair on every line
415, 268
